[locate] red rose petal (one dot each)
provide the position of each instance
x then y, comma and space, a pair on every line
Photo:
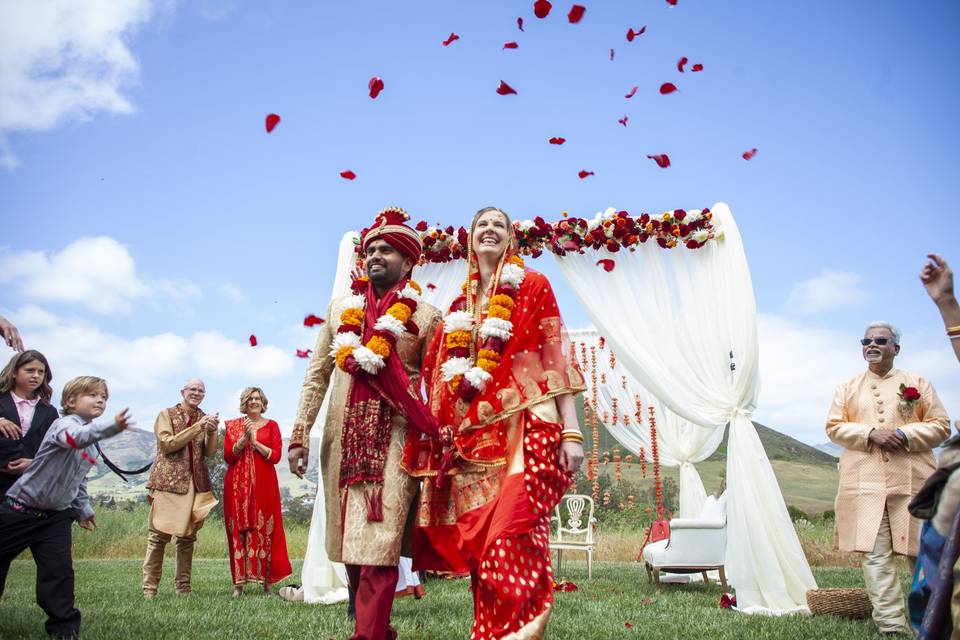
632, 93
607, 264
623, 120
348, 175
697, 67
631, 34
680, 63
375, 85
662, 160
748, 155
272, 121
422, 226
667, 87
612, 53
452, 37
557, 140
584, 174
520, 24
541, 8
304, 353
253, 340
511, 45
576, 13
672, 3
312, 320
628, 625
431, 286
505, 89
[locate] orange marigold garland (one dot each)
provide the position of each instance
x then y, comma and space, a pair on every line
348, 351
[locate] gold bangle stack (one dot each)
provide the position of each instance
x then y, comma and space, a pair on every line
571, 436
954, 330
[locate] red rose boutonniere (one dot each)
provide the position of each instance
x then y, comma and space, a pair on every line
909, 397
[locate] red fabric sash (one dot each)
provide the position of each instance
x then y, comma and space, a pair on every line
244, 475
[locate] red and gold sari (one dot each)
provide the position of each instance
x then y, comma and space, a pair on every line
490, 514
251, 507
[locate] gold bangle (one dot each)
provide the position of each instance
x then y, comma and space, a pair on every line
571, 436
954, 328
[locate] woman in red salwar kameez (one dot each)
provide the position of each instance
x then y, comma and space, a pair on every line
251, 496
501, 383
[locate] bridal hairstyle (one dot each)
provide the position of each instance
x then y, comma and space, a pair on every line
245, 397
9, 374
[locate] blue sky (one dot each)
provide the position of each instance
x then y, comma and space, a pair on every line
211, 229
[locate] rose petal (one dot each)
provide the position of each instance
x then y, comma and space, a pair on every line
584, 174
632, 93
748, 155
607, 264
541, 8
612, 53
431, 286
662, 160
576, 13
348, 175
680, 63
312, 320
452, 37
375, 85
304, 353
511, 45
624, 120
253, 340
697, 67
667, 87
628, 625
631, 34
557, 140
520, 23
272, 121
672, 3
505, 89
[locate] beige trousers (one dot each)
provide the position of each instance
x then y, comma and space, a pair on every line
883, 582
153, 562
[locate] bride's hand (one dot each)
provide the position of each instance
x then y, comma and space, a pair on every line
571, 456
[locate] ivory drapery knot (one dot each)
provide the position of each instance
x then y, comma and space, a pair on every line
740, 412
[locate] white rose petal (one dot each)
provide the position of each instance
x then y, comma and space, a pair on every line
387, 322
368, 360
457, 321
496, 328
455, 367
477, 377
512, 275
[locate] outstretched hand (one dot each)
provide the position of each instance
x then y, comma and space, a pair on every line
124, 419
10, 335
937, 278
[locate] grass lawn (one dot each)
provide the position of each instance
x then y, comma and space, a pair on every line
108, 594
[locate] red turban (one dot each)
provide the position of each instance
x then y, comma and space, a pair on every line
389, 226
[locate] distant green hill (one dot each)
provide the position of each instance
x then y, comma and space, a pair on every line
780, 446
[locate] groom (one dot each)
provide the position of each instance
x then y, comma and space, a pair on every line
368, 496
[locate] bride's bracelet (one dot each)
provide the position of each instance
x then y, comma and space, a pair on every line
571, 436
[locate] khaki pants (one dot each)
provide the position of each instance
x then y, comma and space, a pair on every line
153, 562
883, 582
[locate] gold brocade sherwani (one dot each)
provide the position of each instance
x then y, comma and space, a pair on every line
350, 538
871, 478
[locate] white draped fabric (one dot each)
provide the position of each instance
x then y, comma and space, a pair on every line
683, 323
441, 282
323, 581
681, 443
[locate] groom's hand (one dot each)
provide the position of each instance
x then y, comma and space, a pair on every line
298, 457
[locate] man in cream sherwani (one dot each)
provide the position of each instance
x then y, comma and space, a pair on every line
887, 421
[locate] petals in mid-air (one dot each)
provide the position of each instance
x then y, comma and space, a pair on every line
272, 121
583, 174
511, 45
557, 140
667, 87
375, 85
452, 37
632, 33
662, 160
541, 8
607, 264
748, 155
304, 353
253, 340
612, 53
520, 24
348, 175
697, 67
632, 93
504, 89
624, 120
680, 63
576, 13
312, 320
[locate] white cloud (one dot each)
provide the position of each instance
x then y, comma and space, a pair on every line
217, 355
97, 273
63, 60
829, 290
233, 293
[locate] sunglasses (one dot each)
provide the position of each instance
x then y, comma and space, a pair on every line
880, 341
